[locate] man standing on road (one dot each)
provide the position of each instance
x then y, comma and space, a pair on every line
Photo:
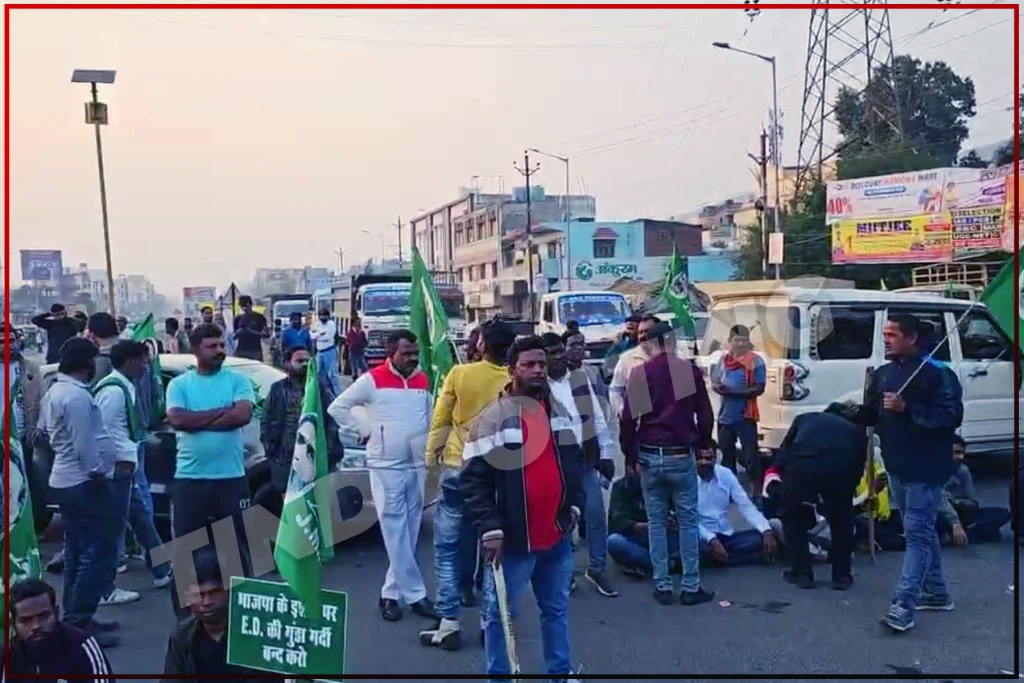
206, 315
395, 398
916, 411
122, 324
739, 378
251, 329
208, 407
467, 390
101, 330
324, 339
627, 339
356, 342
666, 417
81, 479
634, 357
175, 341
296, 334
523, 488
58, 327
42, 645
574, 391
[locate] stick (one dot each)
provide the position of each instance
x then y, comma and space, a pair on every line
506, 619
937, 347
870, 473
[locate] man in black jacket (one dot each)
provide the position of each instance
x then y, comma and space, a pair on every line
523, 489
59, 328
44, 645
822, 455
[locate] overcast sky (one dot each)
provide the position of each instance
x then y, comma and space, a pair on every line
245, 139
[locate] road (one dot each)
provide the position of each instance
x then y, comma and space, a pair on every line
756, 625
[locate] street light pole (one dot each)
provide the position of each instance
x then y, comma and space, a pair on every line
528, 171
568, 218
381, 237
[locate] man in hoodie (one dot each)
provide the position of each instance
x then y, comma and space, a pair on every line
467, 390
915, 409
523, 488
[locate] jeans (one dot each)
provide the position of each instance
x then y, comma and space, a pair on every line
357, 361
630, 551
671, 482
743, 547
596, 521
122, 485
93, 517
745, 432
549, 573
327, 366
455, 544
922, 561
142, 482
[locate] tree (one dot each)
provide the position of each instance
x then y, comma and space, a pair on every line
1005, 153
972, 160
934, 107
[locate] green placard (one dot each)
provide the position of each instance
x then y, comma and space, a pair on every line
269, 630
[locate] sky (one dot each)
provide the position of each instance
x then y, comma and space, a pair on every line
270, 138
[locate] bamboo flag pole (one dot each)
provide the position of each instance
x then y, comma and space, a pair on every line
872, 498
506, 619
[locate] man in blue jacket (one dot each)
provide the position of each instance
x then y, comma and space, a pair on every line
916, 408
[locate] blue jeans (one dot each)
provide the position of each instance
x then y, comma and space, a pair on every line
630, 551
455, 545
671, 482
549, 573
357, 361
743, 547
123, 485
93, 516
327, 367
596, 520
922, 561
142, 481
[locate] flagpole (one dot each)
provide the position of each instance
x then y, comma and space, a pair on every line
937, 347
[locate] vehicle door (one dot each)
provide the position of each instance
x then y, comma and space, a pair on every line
989, 377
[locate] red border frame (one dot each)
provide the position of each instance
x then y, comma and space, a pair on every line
1015, 8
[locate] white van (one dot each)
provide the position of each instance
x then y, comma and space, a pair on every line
820, 344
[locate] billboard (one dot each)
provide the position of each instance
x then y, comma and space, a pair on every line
42, 266
194, 298
917, 239
897, 195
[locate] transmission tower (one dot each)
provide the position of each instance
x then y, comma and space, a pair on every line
844, 48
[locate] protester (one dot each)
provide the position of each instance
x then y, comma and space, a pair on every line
208, 407
229, 339
356, 342
324, 340
58, 327
101, 330
718, 490
43, 646
206, 315
187, 325
961, 519
296, 334
666, 415
739, 378
626, 340
916, 410
251, 329
629, 542
280, 423
397, 403
122, 324
276, 348
82, 484
175, 340
574, 391
628, 360
198, 647
16, 385
474, 346
466, 391
523, 489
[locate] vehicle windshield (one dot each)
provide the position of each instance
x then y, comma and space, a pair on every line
391, 301
774, 326
284, 309
593, 309
454, 305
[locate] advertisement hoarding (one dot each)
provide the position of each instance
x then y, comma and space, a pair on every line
194, 298
897, 195
43, 266
918, 239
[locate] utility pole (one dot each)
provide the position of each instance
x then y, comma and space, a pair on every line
340, 251
527, 171
762, 164
399, 226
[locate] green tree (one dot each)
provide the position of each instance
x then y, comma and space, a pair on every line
1005, 153
972, 160
934, 104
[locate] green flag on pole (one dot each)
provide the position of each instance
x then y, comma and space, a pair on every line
999, 297
676, 292
429, 323
145, 332
20, 531
305, 538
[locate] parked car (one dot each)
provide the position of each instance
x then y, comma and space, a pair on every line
818, 345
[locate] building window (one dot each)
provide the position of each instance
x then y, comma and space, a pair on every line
494, 269
552, 250
604, 248
664, 235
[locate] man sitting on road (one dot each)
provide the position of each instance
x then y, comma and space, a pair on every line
961, 519
718, 490
44, 645
628, 542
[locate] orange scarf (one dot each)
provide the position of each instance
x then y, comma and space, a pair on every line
748, 362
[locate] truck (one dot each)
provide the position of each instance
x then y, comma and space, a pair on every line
280, 307
381, 302
600, 314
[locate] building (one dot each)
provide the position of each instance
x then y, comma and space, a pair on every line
279, 281
315, 279
133, 292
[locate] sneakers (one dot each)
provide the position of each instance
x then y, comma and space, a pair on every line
163, 581
697, 597
601, 583
445, 635
935, 603
119, 596
123, 567
664, 597
899, 618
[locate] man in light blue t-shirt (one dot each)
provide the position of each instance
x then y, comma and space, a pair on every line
208, 407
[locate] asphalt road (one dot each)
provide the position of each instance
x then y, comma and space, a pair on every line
756, 625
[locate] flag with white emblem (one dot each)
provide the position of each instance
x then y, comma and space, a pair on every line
428, 321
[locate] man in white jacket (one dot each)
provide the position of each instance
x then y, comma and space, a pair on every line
396, 408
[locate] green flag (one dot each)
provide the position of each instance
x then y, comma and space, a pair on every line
145, 331
429, 323
999, 295
676, 292
305, 539
20, 531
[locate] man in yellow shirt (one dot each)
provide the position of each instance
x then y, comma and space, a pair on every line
467, 390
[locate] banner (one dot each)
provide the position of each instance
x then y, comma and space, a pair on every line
898, 195
1011, 198
44, 266
194, 298
919, 239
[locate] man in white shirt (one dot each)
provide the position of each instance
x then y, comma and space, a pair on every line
575, 392
633, 358
718, 490
324, 336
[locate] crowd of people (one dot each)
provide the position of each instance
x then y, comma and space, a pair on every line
526, 435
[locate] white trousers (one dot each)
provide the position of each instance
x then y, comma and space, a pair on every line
398, 496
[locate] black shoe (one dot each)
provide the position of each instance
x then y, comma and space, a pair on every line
844, 583
424, 608
601, 583
697, 597
468, 598
104, 626
390, 609
799, 580
664, 597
